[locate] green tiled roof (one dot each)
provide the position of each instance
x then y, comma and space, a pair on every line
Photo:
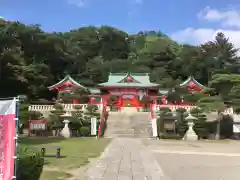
191, 79
140, 80
67, 78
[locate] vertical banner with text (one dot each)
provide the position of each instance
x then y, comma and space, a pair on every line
7, 138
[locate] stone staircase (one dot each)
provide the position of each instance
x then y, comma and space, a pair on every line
129, 123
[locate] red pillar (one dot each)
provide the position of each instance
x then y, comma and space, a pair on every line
164, 100
75, 101
91, 100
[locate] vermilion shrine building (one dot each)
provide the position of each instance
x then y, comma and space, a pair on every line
130, 88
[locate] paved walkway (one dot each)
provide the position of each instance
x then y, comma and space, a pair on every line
125, 159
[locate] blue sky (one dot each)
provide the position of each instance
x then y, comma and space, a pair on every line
184, 20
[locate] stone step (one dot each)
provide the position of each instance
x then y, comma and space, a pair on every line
125, 124
127, 135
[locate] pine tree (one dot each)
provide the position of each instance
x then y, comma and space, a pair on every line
181, 124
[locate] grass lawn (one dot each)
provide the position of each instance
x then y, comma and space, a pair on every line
75, 152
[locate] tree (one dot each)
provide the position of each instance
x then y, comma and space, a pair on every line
55, 119
181, 124
145, 101
32, 60
200, 124
226, 126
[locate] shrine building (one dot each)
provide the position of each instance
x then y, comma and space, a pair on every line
129, 88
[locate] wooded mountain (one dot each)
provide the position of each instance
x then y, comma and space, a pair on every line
31, 59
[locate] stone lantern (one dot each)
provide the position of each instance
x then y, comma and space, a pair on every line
190, 134
66, 131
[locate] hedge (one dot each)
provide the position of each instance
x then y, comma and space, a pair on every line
29, 164
171, 136
85, 131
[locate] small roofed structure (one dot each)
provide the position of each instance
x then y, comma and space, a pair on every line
192, 85
65, 84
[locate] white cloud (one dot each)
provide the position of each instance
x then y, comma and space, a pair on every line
1, 17
202, 35
78, 3
134, 8
139, 1
229, 19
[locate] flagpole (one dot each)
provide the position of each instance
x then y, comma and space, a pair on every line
16, 137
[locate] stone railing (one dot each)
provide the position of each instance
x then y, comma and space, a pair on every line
66, 107
157, 107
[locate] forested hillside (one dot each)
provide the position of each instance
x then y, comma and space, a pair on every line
31, 59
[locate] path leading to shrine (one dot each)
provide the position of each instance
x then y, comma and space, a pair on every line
132, 156
125, 159
147, 159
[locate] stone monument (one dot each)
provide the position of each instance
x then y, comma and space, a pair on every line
190, 134
65, 132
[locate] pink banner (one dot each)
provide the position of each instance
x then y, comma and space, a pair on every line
7, 141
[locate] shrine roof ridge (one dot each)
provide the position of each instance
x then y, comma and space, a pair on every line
126, 73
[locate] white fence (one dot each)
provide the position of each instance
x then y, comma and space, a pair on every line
156, 107
66, 107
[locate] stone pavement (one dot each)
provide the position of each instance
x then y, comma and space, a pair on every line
196, 160
125, 159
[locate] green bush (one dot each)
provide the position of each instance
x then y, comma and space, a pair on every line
85, 131
29, 164
171, 136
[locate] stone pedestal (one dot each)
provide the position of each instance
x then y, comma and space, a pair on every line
65, 131
190, 134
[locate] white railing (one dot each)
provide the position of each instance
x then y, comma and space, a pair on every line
66, 107
157, 107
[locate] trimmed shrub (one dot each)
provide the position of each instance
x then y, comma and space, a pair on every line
29, 164
85, 131
171, 136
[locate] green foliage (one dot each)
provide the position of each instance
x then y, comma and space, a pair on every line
112, 101
55, 118
85, 131
196, 112
33, 60
23, 113
211, 103
160, 126
92, 111
165, 109
200, 126
81, 95
171, 136
193, 98
181, 110
226, 126
181, 124
212, 127
30, 164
